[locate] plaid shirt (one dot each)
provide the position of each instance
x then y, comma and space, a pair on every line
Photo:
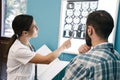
100, 63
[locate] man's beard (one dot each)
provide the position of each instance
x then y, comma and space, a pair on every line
88, 40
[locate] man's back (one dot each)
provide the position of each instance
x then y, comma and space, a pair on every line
100, 63
110, 70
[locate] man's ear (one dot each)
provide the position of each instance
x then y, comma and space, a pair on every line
90, 30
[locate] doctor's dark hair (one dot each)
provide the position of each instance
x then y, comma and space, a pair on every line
102, 22
20, 23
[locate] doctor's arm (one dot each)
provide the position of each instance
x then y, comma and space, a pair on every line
51, 56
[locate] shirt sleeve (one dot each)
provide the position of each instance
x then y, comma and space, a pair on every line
70, 71
78, 71
24, 55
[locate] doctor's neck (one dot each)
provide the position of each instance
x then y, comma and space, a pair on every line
24, 40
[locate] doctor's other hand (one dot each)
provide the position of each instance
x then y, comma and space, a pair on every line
84, 48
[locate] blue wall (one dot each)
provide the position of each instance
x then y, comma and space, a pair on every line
117, 40
47, 16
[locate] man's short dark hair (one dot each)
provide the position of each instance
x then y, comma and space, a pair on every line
102, 22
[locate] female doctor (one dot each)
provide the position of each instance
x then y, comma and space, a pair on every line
21, 57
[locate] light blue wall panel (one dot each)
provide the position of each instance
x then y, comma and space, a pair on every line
117, 40
46, 14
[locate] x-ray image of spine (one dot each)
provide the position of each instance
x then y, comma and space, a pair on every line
75, 17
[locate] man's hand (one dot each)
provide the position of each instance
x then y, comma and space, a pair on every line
84, 48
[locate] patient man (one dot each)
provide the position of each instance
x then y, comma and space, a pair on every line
101, 62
